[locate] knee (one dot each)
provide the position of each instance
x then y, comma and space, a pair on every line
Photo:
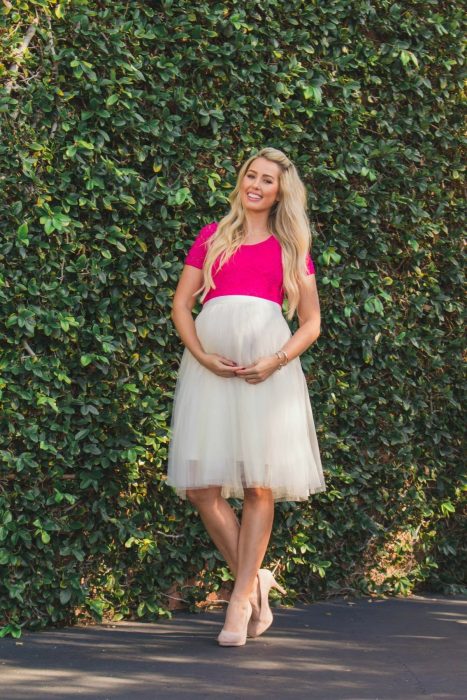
258, 494
201, 497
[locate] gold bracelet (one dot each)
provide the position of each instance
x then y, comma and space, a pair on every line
278, 355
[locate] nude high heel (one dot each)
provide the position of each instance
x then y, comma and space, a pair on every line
236, 639
266, 582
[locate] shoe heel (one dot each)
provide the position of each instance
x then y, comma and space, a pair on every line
278, 587
266, 582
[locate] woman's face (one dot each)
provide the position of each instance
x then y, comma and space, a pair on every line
260, 186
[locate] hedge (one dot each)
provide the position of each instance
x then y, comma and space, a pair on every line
123, 127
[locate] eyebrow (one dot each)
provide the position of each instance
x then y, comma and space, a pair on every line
251, 170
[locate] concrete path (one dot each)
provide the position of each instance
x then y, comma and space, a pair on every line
346, 649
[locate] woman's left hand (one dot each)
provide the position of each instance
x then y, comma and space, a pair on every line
259, 370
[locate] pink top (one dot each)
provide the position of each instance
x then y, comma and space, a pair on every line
254, 269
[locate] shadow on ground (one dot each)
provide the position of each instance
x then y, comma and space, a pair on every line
347, 649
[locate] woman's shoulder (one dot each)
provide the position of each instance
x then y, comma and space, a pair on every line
198, 249
207, 230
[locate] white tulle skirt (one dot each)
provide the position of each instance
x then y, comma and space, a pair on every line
230, 433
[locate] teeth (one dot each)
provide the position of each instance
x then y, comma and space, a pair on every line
254, 196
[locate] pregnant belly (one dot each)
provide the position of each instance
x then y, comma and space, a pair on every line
241, 332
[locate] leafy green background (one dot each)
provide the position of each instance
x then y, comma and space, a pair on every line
123, 126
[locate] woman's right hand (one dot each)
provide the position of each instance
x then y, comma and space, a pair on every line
218, 364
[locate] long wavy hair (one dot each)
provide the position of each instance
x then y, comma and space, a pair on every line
287, 221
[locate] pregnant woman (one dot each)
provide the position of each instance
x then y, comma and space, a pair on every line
242, 424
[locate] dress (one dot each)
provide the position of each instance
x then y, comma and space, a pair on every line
225, 431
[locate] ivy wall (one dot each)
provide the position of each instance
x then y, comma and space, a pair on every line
123, 126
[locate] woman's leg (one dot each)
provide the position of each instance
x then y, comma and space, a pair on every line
223, 527
220, 521
255, 531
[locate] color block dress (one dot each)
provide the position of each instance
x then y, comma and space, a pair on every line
225, 431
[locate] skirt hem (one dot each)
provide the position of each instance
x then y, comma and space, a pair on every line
229, 491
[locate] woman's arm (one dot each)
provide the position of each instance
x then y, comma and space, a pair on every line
309, 318
183, 302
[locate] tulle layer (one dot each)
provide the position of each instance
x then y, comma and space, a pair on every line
230, 433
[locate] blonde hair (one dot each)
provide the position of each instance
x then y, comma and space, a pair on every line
288, 221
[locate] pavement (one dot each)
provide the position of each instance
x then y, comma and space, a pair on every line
395, 648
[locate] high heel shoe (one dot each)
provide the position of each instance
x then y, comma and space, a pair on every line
236, 639
261, 624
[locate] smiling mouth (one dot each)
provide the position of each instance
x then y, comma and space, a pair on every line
254, 197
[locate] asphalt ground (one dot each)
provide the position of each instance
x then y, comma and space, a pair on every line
342, 649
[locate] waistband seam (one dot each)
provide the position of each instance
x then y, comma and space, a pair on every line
242, 297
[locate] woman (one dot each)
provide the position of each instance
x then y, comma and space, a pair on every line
242, 424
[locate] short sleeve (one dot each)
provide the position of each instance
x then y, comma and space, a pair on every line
197, 253
310, 265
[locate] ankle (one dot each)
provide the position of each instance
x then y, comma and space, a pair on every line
237, 599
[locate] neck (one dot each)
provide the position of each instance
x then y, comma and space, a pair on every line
256, 224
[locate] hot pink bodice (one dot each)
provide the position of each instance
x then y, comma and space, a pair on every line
254, 270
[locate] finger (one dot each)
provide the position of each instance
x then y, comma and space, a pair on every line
222, 364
